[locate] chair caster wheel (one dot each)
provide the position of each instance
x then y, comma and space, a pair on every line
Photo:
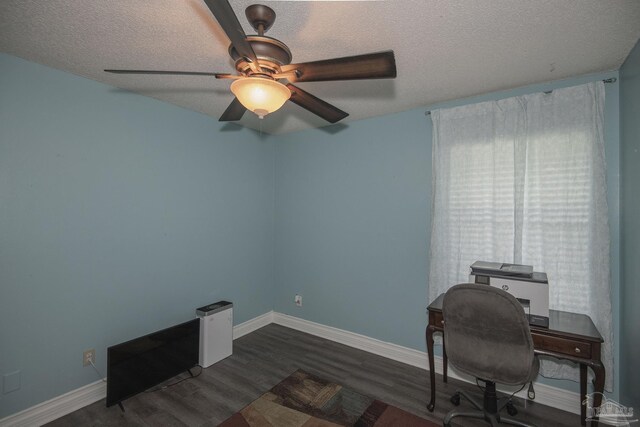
511, 409
455, 399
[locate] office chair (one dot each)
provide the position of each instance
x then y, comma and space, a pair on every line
486, 335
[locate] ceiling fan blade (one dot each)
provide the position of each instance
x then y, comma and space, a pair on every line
228, 20
177, 73
234, 112
316, 105
370, 66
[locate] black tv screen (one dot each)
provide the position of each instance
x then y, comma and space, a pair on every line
136, 365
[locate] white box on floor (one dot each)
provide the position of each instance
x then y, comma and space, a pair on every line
216, 332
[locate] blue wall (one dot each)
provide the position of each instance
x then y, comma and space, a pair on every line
119, 215
630, 223
352, 226
353, 221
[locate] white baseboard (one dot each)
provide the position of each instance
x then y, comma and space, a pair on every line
252, 325
57, 407
64, 404
547, 395
362, 342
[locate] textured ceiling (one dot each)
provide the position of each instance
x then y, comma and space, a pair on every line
445, 49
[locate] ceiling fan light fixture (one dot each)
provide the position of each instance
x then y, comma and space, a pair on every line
261, 60
260, 95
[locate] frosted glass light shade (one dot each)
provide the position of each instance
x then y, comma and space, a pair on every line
262, 96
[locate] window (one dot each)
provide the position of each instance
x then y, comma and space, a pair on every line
522, 180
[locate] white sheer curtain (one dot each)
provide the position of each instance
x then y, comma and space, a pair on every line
523, 180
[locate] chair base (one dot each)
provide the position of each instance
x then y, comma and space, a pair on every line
489, 412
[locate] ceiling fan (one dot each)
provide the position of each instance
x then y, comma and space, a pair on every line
263, 63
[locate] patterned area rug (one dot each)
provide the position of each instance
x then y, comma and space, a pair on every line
305, 400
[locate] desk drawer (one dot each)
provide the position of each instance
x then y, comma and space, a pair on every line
566, 346
436, 319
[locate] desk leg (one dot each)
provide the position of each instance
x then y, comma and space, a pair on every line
583, 394
598, 385
598, 388
432, 370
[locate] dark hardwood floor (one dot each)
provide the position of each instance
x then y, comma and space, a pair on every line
265, 357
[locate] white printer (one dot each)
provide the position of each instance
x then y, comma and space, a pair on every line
530, 288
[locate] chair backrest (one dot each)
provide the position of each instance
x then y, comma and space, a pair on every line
486, 334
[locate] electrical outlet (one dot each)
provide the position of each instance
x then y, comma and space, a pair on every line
88, 356
298, 300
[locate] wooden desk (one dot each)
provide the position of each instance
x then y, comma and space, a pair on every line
570, 336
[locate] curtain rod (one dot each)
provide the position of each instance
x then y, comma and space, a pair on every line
611, 80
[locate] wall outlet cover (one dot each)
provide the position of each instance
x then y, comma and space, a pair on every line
11, 382
88, 356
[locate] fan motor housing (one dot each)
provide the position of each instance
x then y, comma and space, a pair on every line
271, 53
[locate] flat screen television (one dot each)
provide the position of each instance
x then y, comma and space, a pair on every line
136, 365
